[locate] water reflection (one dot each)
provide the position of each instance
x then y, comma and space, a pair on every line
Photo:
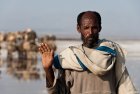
23, 69
19, 52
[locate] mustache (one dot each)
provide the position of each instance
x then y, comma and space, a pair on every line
90, 41
91, 37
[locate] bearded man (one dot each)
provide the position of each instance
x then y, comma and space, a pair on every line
97, 66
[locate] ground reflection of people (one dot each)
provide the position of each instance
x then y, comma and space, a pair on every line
20, 52
23, 69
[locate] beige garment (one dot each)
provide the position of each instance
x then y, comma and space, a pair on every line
115, 81
85, 82
97, 61
124, 83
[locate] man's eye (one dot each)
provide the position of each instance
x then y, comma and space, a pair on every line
85, 27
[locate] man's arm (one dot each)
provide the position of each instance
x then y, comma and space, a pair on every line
126, 85
124, 82
49, 78
55, 84
47, 55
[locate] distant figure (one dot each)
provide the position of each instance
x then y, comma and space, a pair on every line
97, 66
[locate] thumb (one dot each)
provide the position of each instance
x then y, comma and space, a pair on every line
52, 53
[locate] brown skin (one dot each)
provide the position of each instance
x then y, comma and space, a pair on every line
47, 55
89, 30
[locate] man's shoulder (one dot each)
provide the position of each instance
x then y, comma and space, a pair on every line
69, 48
109, 42
117, 47
106, 42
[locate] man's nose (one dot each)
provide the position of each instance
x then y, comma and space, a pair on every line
90, 31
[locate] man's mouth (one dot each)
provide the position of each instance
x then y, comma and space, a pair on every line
90, 39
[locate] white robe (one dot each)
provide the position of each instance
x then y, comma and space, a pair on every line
99, 63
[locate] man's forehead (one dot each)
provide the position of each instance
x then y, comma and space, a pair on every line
89, 15
89, 21
89, 18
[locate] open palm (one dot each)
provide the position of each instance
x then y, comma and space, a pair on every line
47, 56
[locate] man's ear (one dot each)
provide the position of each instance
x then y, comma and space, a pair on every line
78, 28
100, 29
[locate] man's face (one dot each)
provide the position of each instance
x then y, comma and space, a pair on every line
89, 30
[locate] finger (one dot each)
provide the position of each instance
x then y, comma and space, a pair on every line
52, 52
47, 47
40, 50
44, 48
41, 47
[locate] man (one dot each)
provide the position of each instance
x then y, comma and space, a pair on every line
95, 67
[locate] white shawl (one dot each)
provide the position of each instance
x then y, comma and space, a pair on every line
99, 61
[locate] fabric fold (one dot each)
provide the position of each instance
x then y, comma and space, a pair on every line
98, 60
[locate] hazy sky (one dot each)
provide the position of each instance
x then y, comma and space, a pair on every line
120, 18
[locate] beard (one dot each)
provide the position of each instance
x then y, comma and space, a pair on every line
90, 41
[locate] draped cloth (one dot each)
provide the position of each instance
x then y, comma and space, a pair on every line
99, 60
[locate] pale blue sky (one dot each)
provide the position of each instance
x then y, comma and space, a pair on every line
120, 18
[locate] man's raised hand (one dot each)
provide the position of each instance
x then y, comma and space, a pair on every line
47, 55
